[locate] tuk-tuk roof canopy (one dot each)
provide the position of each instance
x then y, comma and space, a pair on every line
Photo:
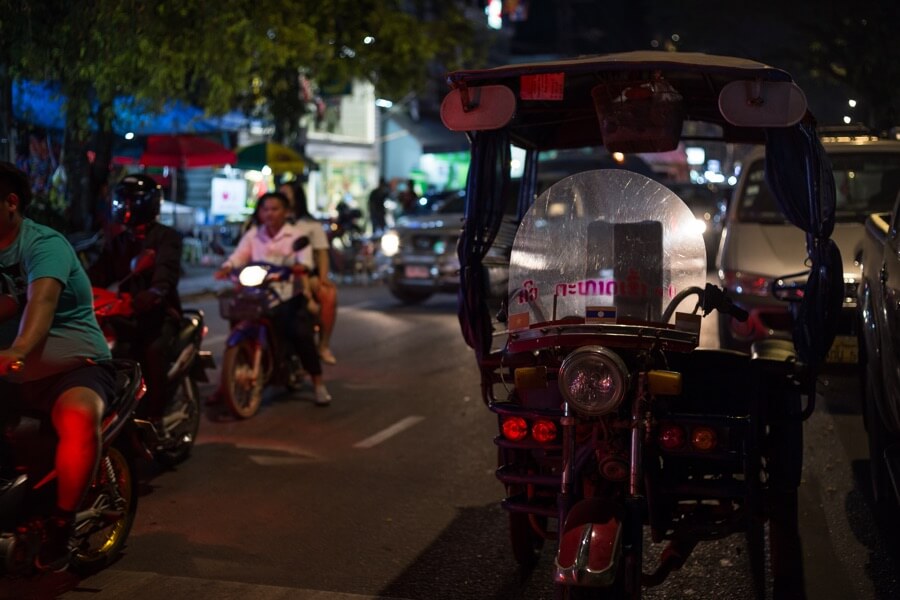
570, 121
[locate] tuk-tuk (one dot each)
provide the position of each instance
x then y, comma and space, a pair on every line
611, 418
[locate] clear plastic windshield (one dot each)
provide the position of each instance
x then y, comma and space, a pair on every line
604, 245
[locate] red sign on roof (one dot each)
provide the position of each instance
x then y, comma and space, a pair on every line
546, 86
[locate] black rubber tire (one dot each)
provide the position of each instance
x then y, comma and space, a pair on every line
785, 548
186, 433
100, 549
241, 400
526, 544
878, 438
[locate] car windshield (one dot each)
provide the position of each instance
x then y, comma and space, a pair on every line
611, 243
864, 183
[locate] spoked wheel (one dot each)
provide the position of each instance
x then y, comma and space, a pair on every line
242, 390
185, 404
112, 498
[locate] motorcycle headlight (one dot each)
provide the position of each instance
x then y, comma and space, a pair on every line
252, 275
593, 380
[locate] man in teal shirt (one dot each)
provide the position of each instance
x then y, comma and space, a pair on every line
47, 322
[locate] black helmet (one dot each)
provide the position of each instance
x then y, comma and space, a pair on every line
135, 200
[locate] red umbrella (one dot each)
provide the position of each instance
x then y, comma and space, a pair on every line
180, 151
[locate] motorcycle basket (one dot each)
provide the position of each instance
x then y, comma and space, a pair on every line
240, 307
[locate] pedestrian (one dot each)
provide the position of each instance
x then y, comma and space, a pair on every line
408, 198
377, 211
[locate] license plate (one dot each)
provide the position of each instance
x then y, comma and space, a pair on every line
416, 272
844, 350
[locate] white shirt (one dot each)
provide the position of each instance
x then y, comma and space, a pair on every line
317, 239
256, 245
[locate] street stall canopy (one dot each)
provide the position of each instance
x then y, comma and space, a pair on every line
182, 151
277, 157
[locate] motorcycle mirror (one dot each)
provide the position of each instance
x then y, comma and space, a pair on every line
143, 261
8, 307
300, 243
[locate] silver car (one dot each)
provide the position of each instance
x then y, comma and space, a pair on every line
759, 245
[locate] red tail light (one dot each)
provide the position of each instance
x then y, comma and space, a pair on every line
515, 429
753, 284
671, 437
704, 438
543, 431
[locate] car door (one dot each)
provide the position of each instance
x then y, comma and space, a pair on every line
890, 332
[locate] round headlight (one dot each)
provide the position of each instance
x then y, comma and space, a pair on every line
252, 275
390, 243
594, 380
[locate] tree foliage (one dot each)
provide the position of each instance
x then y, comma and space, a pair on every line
249, 54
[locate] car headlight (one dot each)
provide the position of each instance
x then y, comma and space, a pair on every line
593, 380
252, 275
390, 243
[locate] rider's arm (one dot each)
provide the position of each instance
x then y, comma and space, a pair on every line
243, 253
43, 297
320, 246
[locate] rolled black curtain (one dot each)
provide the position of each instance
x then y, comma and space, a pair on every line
798, 172
486, 191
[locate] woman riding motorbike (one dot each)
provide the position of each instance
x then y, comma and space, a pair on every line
272, 242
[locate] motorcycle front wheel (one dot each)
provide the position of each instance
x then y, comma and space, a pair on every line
242, 389
112, 497
187, 400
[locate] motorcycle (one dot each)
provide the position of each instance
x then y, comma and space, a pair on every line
28, 483
171, 440
254, 358
611, 419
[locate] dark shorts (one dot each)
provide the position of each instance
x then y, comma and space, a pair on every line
41, 394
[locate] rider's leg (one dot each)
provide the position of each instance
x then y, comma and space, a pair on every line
304, 341
326, 295
158, 343
76, 417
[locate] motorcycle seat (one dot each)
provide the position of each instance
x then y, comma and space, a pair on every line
128, 380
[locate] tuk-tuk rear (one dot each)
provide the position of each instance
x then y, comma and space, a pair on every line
610, 417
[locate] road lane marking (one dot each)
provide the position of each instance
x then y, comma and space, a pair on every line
389, 432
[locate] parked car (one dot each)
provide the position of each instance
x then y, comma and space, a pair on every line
759, 245
878, 256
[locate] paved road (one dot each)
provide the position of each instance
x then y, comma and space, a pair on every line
389, 492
